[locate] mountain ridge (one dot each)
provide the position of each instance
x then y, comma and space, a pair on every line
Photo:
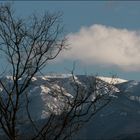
114, 121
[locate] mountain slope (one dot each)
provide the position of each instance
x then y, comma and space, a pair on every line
119, 120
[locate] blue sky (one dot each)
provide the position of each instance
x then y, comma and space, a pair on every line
120, 16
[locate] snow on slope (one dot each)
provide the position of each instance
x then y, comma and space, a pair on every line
112, 80
47, 90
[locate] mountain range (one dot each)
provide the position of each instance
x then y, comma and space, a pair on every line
119, 120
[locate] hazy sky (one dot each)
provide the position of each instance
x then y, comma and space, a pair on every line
104, 36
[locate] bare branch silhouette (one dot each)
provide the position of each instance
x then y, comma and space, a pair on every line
28, 46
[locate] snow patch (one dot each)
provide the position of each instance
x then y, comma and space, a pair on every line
45, 89
111, 80
34, 78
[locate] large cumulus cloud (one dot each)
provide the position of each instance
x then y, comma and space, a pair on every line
105, 46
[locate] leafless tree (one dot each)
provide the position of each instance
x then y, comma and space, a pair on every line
28, 45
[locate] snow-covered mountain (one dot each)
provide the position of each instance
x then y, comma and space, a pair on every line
118, 120
45, 94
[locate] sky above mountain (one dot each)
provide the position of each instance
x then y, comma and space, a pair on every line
104, 36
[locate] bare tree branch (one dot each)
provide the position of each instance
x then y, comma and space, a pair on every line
28, 46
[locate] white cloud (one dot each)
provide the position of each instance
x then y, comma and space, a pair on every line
105, 46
